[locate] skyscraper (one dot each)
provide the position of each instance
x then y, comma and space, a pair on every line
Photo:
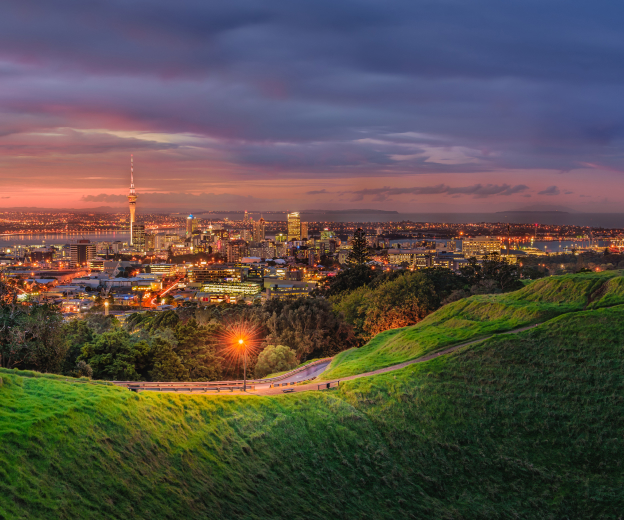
259, 228
81, 252
304, 230
191, 225
132, 198
138, 236
294, 226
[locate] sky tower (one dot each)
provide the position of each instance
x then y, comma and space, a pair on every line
132, 198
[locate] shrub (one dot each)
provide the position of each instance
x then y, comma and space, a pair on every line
275, 358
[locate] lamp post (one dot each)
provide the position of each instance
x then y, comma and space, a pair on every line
242, 344
105, 308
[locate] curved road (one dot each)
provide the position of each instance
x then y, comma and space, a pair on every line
306, 373
266, 390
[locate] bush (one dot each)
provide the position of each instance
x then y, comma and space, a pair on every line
275, 358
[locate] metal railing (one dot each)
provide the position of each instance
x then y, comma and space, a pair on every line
137, 386
187, 387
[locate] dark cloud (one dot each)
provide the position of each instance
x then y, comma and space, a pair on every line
326, 88
178, 200
551, 190
316, 192
476, 190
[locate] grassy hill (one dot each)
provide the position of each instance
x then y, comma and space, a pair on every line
524, 426
481, 316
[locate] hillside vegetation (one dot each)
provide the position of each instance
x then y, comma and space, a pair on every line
524, 426
480, 316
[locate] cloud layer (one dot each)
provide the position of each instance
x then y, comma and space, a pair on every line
240, 97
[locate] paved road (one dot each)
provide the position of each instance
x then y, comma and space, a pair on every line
306, 373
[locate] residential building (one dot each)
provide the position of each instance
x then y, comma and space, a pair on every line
236, 249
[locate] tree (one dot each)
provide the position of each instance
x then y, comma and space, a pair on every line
311, 327
275, 358
360, 253
30, 335
114, 356
167, 363
399, 303
350, 279
197, 352
76, 334
504, 273
353, 306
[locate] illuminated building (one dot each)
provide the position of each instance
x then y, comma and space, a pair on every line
191, 225
236, 249
480, 247
326, 234
96, 264
418, 259
285, 289
304, 230
166, 269
138, 237
149, 241
258, 231
230, 289
132, 198
294, 226
212, 274
81, 252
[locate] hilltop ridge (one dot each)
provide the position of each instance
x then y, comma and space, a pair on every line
525, 426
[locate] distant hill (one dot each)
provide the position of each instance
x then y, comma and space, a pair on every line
523, 426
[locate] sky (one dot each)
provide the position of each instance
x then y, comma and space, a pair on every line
413, 106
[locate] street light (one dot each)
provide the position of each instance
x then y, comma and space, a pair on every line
242, 344
105, 308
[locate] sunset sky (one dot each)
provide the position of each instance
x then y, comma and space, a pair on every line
443, 105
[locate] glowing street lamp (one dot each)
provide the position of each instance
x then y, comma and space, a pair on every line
242, 345
105, 308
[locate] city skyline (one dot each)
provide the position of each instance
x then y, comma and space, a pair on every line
261, 105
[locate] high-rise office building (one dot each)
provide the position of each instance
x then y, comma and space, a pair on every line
191, 225
132, 197
138, 237
81, 252
259, 228
304, 230
294, 226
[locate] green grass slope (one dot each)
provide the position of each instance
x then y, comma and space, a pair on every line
481, 316
525, 426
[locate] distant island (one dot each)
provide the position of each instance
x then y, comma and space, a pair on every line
531, 211
350, 211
